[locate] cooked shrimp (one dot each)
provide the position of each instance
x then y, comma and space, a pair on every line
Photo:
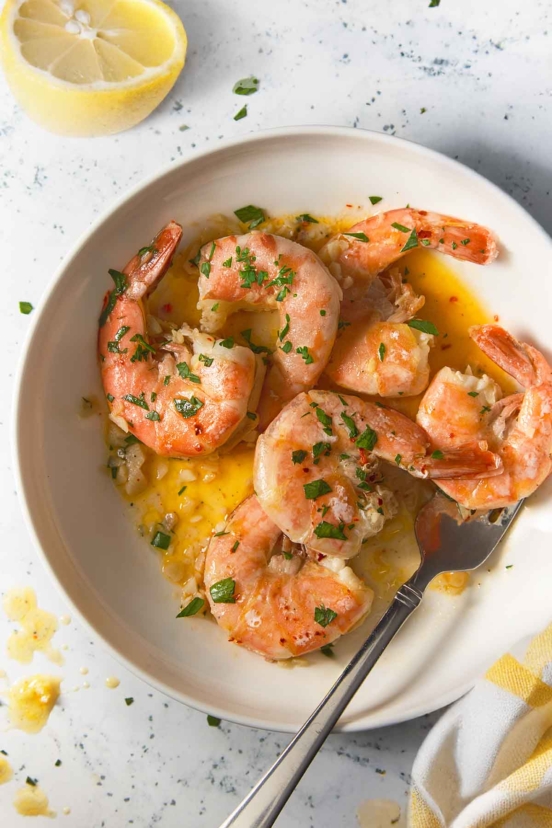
377, 353
258, 272
386, 237
458, 407
274, 604
179, 399
390, 358
313, 470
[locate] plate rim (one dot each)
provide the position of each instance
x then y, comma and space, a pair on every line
375, 719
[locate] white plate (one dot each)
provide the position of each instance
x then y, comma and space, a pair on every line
108, 573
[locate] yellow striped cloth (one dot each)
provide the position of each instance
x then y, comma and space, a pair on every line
488, 761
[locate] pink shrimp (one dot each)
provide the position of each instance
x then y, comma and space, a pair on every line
457, 407
275, 605
180, 400
313, 473
258, 272
378, 354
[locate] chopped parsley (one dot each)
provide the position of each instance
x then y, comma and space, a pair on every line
411, 242
285, 330
329, 530
192, 608
437, 455
205, 269
325, 419
327, 650
167, 379
304, 352
298, 456
153, 415
433, 3
316, 488
286, 347
359, 236
129, 700
227, 262
401, 227
465, 241
322, 313
454, 245
140, 401
473, 393
212, 721
319, 449
31, 782
485, 409
324, 616
143, 348
367, 439
251, 415
250, 215
375, 199
184, 370
241, 114
246, 86
423, 325
161, 540
381, 351
257, 349
223, 591
228, 342
57, 763
350, 425
182, 490
149, 249
120, 287
398, 458
208, 361
25, 308
188, 407
110, 397
306, 218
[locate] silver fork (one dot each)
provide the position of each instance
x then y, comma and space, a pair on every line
445, 545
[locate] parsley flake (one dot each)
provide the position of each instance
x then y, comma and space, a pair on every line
329, 530
184, 370
246, 86
188, 407
324, 616
223, 591
316, 488
192, 608
359, 236
423, 325
298, 456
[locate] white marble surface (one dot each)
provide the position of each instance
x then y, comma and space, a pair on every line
471, 79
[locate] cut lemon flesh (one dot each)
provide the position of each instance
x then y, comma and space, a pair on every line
90, 67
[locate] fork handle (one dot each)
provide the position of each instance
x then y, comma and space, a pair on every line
261, 806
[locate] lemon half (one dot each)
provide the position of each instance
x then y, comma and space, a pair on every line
90, 67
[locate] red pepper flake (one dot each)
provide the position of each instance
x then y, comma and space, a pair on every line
496, 317
320, 556
424, 234
422, 213
380, 501
453, 299
348, 205
445, 347
166, 308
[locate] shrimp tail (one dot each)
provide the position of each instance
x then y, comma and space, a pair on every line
472, 460
523, 362
150, 264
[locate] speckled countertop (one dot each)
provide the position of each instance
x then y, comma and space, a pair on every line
470, 79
